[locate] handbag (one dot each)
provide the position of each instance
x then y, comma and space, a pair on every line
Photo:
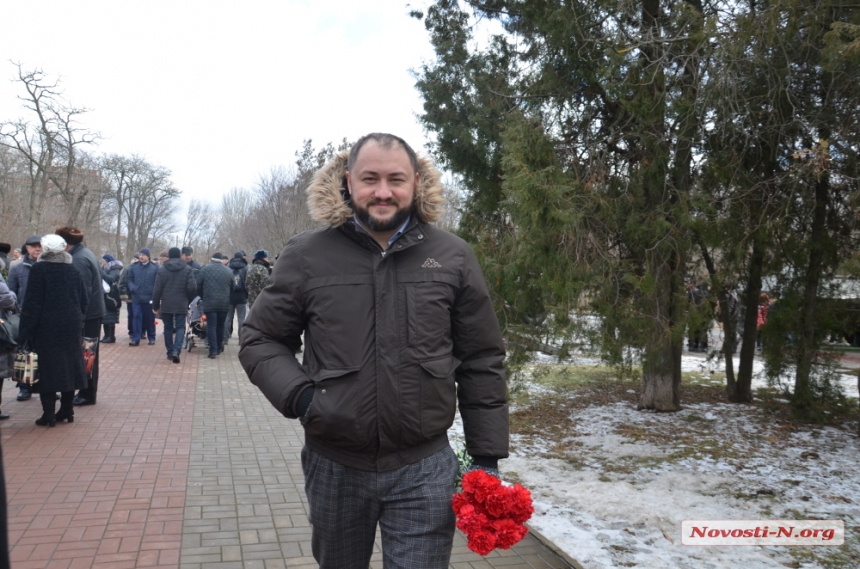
89, 345
9, 329
26, 367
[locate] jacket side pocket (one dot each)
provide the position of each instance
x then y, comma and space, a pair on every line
333, 416
438, 395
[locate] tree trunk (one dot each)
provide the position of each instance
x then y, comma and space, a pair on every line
743, 390
806, 339
661, 361
727, 320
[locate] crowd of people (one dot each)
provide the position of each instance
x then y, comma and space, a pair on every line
66, 297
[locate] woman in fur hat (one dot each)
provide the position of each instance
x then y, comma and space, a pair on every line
51, 322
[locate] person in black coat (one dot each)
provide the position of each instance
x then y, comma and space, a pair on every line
52, 321
111, 271
174, 288
86, 262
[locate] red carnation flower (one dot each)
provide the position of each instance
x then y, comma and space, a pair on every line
482, 542
491, 514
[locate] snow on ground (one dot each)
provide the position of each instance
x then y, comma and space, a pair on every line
638, 475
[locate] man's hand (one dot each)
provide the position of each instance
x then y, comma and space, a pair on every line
489, 464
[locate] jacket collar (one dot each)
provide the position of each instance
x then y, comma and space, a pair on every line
414, 233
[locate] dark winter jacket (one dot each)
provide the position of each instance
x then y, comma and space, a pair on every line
52, 321
8, 303
18, 277
113, 303
239, 267
214, 284
85, 261
257, 279
392, 340
195, 266
174, 287
140, 281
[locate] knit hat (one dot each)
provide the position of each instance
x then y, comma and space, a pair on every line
261, 254
238, 255
53, 244
174, 253
187, 251
218, 256
72, 235
137, 255
145, 251
5, 247
108, 258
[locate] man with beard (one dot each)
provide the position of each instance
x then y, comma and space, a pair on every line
398, 326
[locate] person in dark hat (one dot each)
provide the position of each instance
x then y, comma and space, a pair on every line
175, 287
239, 296
111, 273
125, 294
214, 284
188, 257
140, 283
258, 275
18, 277
88, 265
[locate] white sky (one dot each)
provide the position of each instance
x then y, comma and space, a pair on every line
219, 92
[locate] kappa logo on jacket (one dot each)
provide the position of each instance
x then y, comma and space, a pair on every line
431, 264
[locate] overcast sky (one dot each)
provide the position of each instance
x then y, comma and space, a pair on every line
216, 91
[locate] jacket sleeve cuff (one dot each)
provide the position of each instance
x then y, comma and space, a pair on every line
485, 462
303, 402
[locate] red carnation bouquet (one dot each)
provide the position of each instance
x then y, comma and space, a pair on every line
491, 514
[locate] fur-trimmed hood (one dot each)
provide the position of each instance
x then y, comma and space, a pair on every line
55, 257
329, 203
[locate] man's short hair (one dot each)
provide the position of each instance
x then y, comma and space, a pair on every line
384, 140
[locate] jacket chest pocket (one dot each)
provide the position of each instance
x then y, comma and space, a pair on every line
340, 318
428, 299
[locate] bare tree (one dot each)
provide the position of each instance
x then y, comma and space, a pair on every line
142, 202
236, 206
201, 227
51, 142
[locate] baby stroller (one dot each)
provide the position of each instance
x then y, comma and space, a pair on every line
195, 325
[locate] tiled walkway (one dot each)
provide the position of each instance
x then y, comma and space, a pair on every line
182, 466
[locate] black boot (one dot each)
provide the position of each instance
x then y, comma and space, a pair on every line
48, 418
67, 411
110, 334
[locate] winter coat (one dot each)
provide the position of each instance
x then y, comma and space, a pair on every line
85, 261
257, 279
174, 287
123, 283
140, 281
195, 266
392, 340
52, 321
19, 275
113, 303
8, 303
214, 285
239, 267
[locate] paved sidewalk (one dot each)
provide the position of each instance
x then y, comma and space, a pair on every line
181, 466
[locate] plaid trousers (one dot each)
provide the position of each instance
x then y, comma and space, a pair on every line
412, 506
